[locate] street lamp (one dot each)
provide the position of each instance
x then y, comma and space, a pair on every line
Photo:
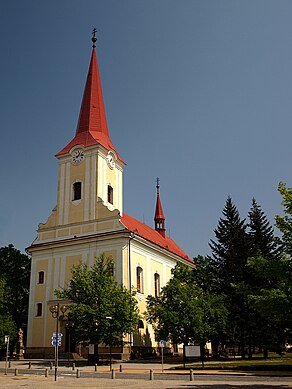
55, 311
69, 327
110, 318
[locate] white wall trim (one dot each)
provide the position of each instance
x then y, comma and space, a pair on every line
61, 193
87, 188
67, 193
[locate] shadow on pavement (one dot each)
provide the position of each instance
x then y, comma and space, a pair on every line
229, 386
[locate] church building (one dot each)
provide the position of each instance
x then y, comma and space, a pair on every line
89, 220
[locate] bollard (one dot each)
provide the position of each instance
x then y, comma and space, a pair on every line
78, 373
191, 375
73, 366
46, 372
51, 365
95, 367
113, 374
15, 371
151, 375
29, 364
9, 364
121, 368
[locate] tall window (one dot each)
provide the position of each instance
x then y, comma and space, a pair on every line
156, 285
139, 276
39, 309
41, 277
110, 194
77, 191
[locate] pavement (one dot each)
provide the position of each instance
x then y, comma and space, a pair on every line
136, 376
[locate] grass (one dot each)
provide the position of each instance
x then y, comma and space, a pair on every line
273, 363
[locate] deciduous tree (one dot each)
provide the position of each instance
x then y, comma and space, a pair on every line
101, 310
7, 325
183, 312
15, 271
284, 223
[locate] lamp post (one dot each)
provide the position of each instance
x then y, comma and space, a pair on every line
55, 311
69, 327
7, 352
110, 319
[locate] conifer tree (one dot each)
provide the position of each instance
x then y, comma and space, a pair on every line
230, 255
231, 250
261, 233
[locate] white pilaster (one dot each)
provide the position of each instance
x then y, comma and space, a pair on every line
31, 308
61, 194
87, 189
93, 187
67, 193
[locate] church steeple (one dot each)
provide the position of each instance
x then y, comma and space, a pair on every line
159, 218
92, 125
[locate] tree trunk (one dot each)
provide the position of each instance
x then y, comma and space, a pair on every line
215, 349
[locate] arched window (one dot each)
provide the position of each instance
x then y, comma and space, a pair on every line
140, 324
39, 309
76, 191
156, 285
139, 277
110, 194
41, 277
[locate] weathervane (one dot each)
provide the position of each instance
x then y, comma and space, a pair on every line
94, 39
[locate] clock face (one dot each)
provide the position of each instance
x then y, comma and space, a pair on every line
77, 156
111, 160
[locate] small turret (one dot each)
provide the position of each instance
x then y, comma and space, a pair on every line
159, 218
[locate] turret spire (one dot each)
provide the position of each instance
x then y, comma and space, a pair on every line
159, 218
92, 125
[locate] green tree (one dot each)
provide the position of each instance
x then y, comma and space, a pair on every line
96, 297
284, 223
7, 325
183, 312
15, 271
262, 234
231, 250
229, 256
271, 301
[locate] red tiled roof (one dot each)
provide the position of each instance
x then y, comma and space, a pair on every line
92, 126
153, 236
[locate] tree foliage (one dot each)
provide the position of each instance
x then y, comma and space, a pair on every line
15, 272
284, 223
96, 297
7, 325
237, 244
231, 248
183, 312
262, 234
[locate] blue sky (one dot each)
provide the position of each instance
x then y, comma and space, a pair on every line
197, 93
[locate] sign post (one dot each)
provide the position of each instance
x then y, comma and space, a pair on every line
56, 342
7, 351
162, 345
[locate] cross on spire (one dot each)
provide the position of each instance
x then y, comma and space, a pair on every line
94, 39
157, 184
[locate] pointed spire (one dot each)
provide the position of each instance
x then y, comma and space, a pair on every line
92, 125
159, 218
